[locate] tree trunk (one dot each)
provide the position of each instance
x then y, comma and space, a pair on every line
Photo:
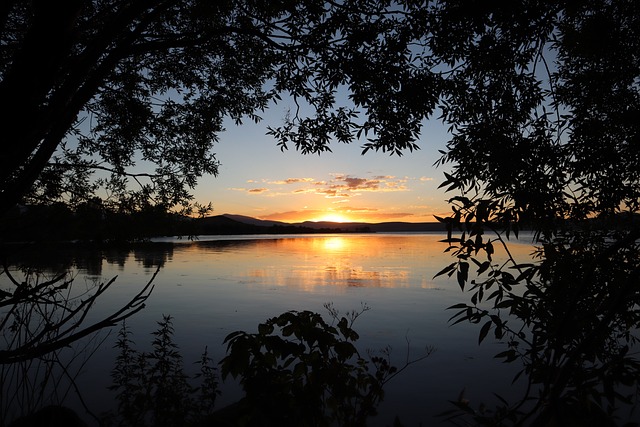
29, 117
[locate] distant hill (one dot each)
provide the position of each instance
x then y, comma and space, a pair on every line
240, 224
253, 221
43, 223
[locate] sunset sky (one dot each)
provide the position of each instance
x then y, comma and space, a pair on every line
257, 179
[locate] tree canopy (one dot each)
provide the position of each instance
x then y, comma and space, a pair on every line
541, 98
139, 90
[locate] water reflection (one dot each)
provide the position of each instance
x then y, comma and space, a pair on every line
334, 243
303, 262
87, 259
335, 261
213, 287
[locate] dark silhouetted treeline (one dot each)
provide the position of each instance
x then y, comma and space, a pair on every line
57, 222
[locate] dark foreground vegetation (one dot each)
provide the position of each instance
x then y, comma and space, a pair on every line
126, 100
296, 370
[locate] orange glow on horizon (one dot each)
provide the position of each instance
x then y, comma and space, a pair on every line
332, 217
347, 216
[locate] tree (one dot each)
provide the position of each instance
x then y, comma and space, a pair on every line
527, 89
542, 100
105, 86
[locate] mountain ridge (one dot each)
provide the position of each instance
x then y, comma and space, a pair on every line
390, 226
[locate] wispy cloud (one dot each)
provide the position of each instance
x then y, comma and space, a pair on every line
257, 190
352, 209
291, 216
292, 181
371, 214
340, 186
347, 185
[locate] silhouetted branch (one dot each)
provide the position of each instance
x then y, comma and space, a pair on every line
61, 332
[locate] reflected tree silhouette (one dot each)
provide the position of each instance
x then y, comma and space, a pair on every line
40, 317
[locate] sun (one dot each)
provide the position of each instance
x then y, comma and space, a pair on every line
333, 217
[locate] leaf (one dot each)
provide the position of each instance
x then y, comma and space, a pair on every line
489, 249
445, 270
485, 265
448, 181
484, 331
463, 274
494, 294
265, 328
458, 306
442, 220
232, 335
505, 304
509, 356
451, 240
521, 266
344, 350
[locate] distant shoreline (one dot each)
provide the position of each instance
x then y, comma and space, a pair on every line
59, 224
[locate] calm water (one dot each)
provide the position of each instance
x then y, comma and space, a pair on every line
218, 285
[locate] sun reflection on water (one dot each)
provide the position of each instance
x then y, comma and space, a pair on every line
323, 262
334, 243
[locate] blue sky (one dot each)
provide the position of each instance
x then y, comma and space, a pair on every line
257, 179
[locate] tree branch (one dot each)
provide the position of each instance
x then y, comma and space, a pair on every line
35, 348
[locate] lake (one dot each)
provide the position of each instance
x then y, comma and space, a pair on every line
220, 284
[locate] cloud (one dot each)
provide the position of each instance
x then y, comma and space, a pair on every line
288, 181
392, 215
426, 178
371, 214
304, 191
257, 190
291, 216
353, 183
351, 209
332, 193
347, 184
340, 186
296, 180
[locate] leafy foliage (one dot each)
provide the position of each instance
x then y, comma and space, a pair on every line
129, 97
539, 106
135, 94
570, 317
299, 370
153, 388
